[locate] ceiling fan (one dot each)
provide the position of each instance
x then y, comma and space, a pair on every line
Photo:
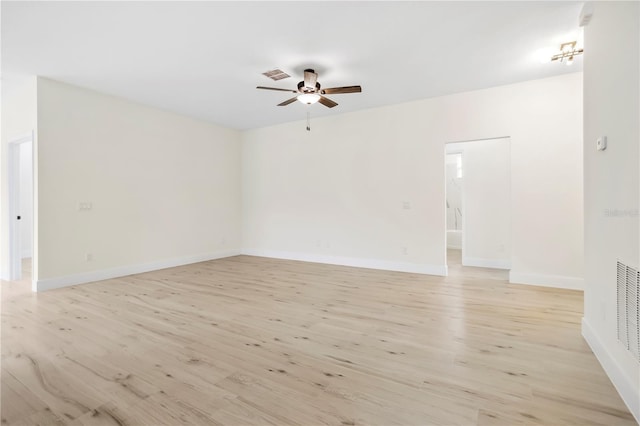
309, 91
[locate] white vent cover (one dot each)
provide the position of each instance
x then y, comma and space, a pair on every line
276, 74
629, 308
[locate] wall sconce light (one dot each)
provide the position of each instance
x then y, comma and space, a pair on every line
567, 52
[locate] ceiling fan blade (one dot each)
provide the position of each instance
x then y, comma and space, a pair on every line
327, 102
288, 101
275, 88
338, 90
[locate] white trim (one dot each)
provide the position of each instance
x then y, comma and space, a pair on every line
486, 263
416, 268
105, 274
556, 281
463, 205
476, 140
26, 137
626, 387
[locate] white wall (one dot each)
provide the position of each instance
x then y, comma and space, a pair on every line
26, 199
487, 202
337, 193
164, 189
611, 181
19, 117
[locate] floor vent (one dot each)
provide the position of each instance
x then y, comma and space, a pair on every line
629, 308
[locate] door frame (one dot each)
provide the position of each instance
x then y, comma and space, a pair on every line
13, 168
464, 209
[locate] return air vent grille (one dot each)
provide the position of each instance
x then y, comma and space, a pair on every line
276, 74
629, 308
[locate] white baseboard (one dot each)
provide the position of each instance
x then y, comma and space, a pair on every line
626, 387
486, 263
121, 271
454, 246
385, 265
556, 281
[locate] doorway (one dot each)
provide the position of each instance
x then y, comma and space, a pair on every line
454, 180
21, 208
478, 203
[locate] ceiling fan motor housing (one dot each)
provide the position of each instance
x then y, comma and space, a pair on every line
302, 88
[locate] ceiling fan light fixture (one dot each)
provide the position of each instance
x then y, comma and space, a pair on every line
308, 98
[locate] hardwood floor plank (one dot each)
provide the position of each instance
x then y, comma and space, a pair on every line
23, 402
42, 418
248, 340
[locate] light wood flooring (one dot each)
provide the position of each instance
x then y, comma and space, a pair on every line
248, 340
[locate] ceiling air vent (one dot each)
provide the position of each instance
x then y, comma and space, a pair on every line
628, 280
276, 74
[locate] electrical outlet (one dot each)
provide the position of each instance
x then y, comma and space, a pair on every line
406, 205
405, 250
88, 257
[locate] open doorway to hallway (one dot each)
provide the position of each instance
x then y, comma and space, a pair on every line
21, 210
478, 203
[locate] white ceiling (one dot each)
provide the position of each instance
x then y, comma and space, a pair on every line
204, 59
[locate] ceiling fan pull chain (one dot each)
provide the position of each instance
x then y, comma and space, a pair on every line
308, 121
